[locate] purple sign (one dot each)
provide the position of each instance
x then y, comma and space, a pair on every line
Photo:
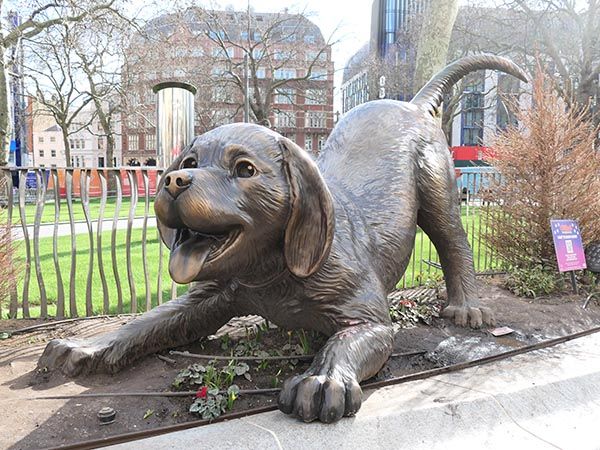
568, 245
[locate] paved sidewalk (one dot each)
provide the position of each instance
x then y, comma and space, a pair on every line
64, 229
546, 399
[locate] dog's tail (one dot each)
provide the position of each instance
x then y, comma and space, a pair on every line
432, 94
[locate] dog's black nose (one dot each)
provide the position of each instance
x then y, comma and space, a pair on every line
178, 181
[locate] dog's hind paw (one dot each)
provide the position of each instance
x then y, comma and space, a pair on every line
312, 397
471, 316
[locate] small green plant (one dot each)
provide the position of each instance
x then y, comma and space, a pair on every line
407, 313
225, 342
304, 342
431, 280
531, 281
211, 403
276, 381
192, 375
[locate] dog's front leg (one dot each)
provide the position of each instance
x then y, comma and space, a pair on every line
198, 313
329, 389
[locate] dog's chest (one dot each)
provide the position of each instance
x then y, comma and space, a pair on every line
290, 309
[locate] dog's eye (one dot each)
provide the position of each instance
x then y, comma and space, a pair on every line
189, 163
244, 169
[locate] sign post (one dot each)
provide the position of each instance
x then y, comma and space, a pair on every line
568, 247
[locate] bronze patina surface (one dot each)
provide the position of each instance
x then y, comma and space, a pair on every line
262, 229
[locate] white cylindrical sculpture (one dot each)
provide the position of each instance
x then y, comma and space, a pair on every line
174, 119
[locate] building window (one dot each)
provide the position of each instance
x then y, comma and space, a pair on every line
308, 143
315, 97
318, 74
285, 74
221, 94
258, 53
309, 39
215, 35
321, 142
52, 138
219, 52
472, 110
285, 119
315, 119
41, 153
261, 73
53, 153
151, 141
133, 143
285, 96
100, 161
283, 55
40, 139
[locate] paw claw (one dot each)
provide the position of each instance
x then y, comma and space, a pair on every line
475, 317
310, 397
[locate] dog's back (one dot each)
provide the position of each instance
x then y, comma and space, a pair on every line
386, 160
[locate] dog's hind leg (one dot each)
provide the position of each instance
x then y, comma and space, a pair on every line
439, 217
198, 313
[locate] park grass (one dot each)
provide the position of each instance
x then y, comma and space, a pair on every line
80, 279
78, 214
417, 273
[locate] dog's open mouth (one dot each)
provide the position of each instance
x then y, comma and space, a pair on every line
191, 250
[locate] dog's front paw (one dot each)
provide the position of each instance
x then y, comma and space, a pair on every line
76, 357
311, 397
471, 316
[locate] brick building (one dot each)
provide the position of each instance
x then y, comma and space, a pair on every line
286, 59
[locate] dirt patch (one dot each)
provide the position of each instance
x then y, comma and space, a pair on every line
47, 423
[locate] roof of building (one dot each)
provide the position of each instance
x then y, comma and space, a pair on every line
53, 128
200, 20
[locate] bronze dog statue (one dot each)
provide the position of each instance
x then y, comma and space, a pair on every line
262, 229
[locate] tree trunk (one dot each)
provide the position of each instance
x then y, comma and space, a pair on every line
110, 150
4, 115
65, 135
434, 40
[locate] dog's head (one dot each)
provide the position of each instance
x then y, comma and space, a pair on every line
239, 196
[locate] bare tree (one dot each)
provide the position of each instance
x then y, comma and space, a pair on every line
40, 15
99, 45
54, 71
561, 34
280, 51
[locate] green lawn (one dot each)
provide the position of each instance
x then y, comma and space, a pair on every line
82, 261
417, 271
94, 205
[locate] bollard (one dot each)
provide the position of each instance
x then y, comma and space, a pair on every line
175, 119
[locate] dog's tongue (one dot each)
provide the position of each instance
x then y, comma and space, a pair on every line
187, 259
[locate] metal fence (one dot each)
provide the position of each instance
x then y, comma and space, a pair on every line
89, 238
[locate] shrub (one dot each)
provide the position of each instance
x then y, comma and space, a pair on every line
549, 170
532, 281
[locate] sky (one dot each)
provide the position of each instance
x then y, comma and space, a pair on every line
349, 20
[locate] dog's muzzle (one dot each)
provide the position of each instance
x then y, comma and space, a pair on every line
178, 181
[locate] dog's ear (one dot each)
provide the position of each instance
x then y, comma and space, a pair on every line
309, 230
